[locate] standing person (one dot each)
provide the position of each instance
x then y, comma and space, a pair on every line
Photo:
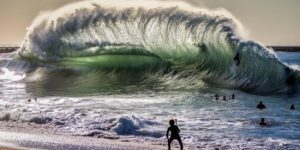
174, 134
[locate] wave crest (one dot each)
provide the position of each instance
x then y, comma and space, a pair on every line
190, 40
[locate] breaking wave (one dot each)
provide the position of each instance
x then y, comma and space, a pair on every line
158, 37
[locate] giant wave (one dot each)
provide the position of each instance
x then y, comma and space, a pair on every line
151, 36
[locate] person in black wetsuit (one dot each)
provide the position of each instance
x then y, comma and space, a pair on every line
292, 107
261, 106
216, 97
262, 122
232, 97
224, 98
290, 82
237, 59
174, 134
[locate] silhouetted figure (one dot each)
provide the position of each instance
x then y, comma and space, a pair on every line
291, 82
216, 97
202, 47
232, 96
224, 98
35, 99
262, 122
174, 134
292, 107
29, 100
237, 59
261, 106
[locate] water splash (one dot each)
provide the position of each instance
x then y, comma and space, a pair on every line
173, 37
6, 74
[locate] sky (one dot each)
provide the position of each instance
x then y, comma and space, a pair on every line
271, 22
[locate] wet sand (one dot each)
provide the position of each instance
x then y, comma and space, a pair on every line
7, 148
21, 140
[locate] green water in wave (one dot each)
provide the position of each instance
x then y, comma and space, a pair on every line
115, 61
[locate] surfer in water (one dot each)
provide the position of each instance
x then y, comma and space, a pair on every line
216, 97
292, 107
174, 134
237, 59
232, 97
262, 122
261, 106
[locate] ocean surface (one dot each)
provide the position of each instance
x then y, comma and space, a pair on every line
122, 72
142, 113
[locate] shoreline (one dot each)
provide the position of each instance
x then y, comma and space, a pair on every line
16, 136
19, 136
9, 148
12, 140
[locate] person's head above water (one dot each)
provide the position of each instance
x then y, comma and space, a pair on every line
262, 122
292, 107
217, 97
261, 106
172, 122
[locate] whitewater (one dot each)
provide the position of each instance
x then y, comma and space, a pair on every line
121, 72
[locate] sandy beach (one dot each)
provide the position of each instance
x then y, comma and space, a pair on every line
21, 140
7, 148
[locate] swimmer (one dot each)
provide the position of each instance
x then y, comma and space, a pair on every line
261, 106
216, 97
232, 96
292, 107
224, 98
262, 122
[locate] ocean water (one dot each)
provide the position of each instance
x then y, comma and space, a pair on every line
142, 113
123, 72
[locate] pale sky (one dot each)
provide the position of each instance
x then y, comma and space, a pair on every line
272, 22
